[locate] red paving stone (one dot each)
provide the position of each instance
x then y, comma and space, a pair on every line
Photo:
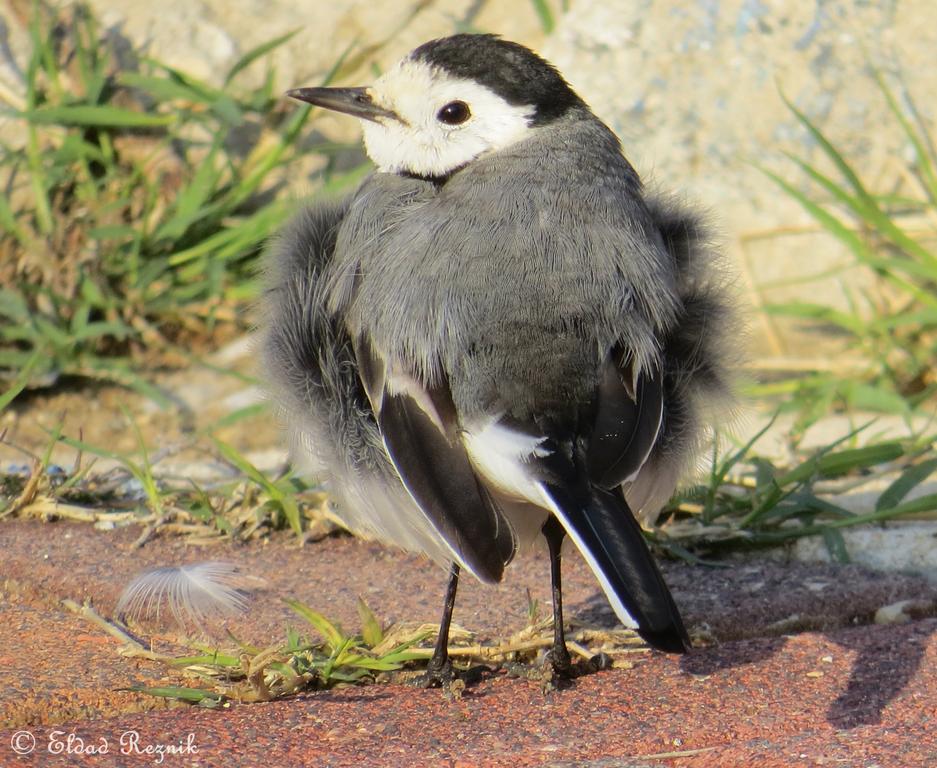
754, 701
844, 696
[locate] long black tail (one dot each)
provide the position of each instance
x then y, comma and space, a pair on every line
607, 535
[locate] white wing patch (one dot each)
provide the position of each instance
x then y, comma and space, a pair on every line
500, 455
402, 384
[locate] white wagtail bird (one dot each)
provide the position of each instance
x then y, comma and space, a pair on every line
498, 335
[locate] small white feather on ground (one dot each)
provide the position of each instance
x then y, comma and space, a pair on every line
194, 592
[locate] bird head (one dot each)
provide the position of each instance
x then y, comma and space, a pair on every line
449, 102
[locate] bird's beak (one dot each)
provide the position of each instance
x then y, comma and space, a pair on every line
356, 102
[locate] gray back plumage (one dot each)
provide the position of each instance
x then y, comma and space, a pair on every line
557, 256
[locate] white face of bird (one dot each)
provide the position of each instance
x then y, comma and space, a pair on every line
439, 122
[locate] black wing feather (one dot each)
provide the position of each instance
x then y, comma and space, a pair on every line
582, 482
627, 422
612, 538
434, 467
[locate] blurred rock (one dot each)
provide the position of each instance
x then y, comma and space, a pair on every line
693, 90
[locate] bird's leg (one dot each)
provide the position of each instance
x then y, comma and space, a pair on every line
439, 670
554, 533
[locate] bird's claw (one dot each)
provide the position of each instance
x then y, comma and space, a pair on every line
557, 673
452, 681
561, 663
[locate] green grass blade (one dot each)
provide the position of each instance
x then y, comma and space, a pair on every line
862, 204
371, 631
889, 267
827, 220
912, 477
279, 499
233, 240
407, 645
836, 545
37, 178
781, 535
212, 658
831, 152
9, 224
921, 317
162, 89
123, 373
190, 695
921, 150
384, 664
336, 67
855, 459
247, 468
235, 416
13, 306
99, 329
887, 227
873, 397
917, 506
190, 205
129, 464
95, 116
334, 638
720, 470
545, 15
777, 488
43, 52
21, 380
853, 203
255, 53
146, 477
201, 91
806, 310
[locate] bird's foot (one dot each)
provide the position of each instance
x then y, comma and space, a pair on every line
560, 662
452, 681
562, 674
558, 670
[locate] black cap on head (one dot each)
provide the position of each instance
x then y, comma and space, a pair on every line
514, 72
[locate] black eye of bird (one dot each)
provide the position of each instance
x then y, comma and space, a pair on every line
454, 113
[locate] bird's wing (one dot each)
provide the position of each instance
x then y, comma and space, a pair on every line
629, 410
586, 500
576, 478
421, 433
